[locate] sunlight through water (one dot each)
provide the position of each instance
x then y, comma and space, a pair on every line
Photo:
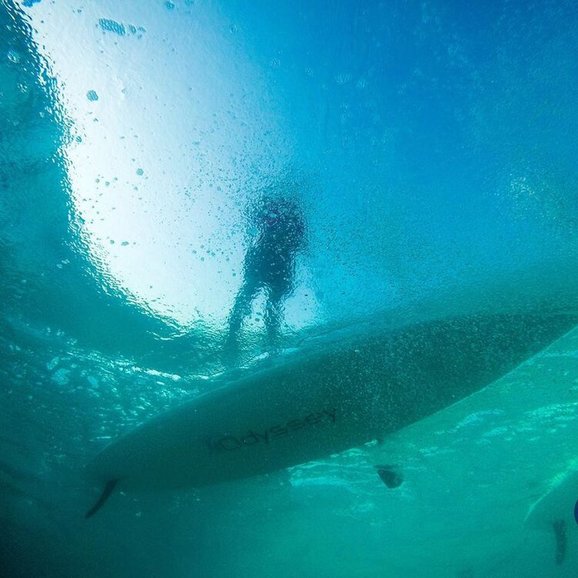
161, 171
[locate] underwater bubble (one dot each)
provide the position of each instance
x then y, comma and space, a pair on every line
343, 78
61, 376
93, 381
92, 95
13, 56
108, 25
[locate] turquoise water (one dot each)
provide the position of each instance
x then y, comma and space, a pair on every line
430, 147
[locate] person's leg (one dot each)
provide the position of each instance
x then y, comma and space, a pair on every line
277, 294
241, 309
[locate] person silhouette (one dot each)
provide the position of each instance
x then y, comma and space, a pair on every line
269, 265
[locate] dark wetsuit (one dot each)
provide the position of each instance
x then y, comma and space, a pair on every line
270, 265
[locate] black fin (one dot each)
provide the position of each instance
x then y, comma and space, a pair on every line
389, 476
108, 489
561, 540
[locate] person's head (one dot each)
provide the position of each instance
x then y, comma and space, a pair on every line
278, 205
272, 211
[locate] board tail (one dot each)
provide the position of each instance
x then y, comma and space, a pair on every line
108, 489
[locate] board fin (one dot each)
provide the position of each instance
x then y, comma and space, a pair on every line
390, 476
108, 489
559, 527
